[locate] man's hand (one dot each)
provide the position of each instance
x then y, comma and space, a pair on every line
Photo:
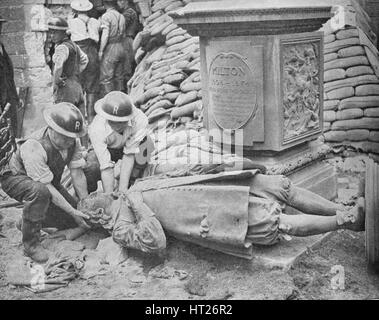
79, 219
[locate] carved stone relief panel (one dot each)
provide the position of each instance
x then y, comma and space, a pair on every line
301, 88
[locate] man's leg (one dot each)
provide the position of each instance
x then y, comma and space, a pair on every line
36, 198
303, 225
92, 171
107, 70
278, 187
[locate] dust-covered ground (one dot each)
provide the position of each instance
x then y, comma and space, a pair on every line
337, 269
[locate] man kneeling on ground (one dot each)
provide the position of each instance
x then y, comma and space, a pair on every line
35, 172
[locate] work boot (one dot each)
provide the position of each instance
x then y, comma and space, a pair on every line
354, 218
31, 241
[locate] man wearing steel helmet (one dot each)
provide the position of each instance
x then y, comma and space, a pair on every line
35, 173
118, 131
68, 62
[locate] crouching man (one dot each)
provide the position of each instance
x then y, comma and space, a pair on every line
118, 132
35, 172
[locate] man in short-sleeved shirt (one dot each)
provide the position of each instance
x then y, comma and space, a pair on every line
111, 52
118, 132
35, 173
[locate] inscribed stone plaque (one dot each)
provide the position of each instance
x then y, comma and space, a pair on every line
233, 96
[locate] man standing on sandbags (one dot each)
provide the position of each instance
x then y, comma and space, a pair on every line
35, 172
85, 32
112, 52
68, 62
118, 132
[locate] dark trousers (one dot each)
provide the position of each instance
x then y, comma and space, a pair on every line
92, 169
38, 206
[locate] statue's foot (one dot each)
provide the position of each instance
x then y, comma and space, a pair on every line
354, 218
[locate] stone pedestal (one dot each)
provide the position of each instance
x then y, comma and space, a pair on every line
262, 81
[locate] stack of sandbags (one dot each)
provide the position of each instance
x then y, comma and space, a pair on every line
351, 89
166, 84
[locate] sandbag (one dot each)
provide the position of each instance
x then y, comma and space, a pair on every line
351, 52
162, 4
359, 102
169, 28
153, 16
159, 28
334, 74
326, 126
175, 79
172, 96
367, 90
346, 62
335, 136
191, 86
339, 44
346, 33
149, 94
329, 38
164, 103
181, 64
358, 70
371, 112
357, 134
186, 98
186, 110
374, 136
150, 102
349, 114
153, 84
139, 55
329, 116
355, 81
158, 114
183, 45
175, 32
330, 57
362, 123
156, 55
340, 93
331, 105
175, 40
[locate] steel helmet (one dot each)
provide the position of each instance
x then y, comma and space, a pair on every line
115, 106
57, 23
81, 5
65, 119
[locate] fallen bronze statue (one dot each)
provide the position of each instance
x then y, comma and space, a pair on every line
227, 211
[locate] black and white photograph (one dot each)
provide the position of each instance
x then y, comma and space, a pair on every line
189, 154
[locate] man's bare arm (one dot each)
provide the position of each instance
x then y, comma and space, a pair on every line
79, 182
127, 165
